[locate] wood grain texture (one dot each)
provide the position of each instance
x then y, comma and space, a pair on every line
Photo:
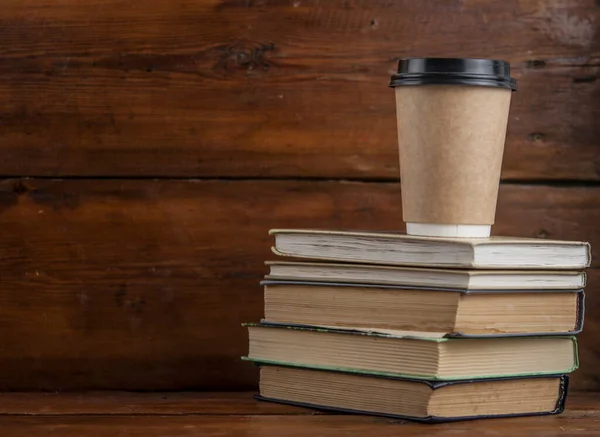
581, 418
278, 88
143, 285
122, 403
118, 403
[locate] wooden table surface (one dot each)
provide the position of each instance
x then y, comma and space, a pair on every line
117, 414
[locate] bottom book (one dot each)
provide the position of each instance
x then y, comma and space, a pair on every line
413, 399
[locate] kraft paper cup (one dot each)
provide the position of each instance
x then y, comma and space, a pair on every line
452, 116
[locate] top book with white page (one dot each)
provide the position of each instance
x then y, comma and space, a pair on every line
497, 252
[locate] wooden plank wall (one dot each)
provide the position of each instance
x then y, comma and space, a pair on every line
148, 148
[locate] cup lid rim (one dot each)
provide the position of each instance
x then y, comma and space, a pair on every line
458, 71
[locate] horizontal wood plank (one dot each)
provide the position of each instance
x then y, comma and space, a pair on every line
120, 403
278, 89
580, 419
295, 426
100, 414
116, 403
329, 28
143, 285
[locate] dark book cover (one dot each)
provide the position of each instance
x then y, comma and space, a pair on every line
434, 385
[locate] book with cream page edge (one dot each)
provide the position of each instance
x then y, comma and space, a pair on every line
423, 401
400, 249
468, 279
457, 312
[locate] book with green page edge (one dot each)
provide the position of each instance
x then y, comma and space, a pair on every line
426, 356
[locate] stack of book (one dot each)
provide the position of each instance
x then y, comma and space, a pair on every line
423, 328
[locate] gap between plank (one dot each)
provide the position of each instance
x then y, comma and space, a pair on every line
381, 180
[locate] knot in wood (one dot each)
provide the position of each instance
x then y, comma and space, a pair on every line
247, 57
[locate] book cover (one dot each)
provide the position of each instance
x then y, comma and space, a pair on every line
580, 304
434, 385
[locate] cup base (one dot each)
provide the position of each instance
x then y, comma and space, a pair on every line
459, 231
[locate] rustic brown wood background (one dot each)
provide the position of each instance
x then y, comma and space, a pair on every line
147, 148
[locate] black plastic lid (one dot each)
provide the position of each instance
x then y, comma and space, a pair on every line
454, 71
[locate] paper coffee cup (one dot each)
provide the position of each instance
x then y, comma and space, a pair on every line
452, 116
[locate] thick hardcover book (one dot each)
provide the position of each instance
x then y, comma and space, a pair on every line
456, 312
400, 249
423, 401
410, 354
